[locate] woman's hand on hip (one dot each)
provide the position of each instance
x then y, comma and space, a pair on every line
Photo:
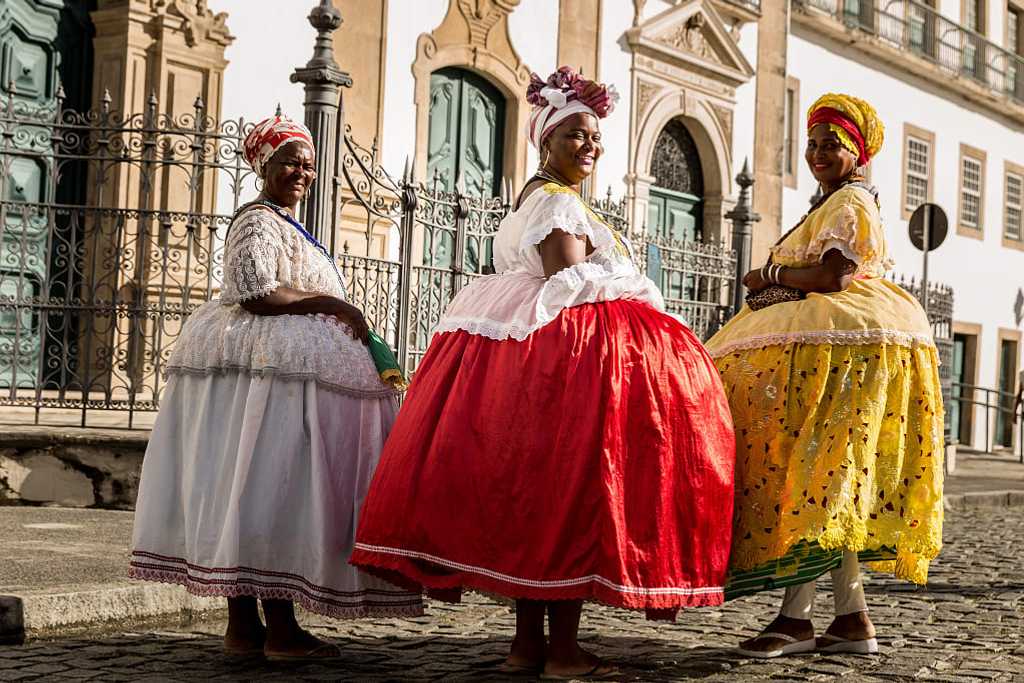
353, 318
754, 282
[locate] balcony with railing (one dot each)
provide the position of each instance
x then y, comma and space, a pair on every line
916, 28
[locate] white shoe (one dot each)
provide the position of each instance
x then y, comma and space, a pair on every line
792, 646
868, 646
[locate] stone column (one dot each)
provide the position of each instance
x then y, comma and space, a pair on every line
769, 130
323, 80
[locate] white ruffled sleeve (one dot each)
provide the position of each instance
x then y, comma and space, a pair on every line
252, 255
558, 210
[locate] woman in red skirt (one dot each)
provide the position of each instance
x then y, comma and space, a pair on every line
564, 439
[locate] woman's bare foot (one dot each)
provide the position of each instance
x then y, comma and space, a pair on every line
575, 664
526, 655
246, 633
287, 640
299, 643
245, 639
856, 626
799, 629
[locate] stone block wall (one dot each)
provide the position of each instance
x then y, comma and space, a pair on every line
70, 467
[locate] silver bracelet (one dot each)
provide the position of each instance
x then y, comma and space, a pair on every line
776, 277
764, 275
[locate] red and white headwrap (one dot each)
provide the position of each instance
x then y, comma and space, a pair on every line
270, 135
564, 93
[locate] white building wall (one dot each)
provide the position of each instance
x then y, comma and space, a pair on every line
985, 276
407, 19
533, 27
746, 106
614, 69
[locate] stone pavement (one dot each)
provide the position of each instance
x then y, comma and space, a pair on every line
966, 625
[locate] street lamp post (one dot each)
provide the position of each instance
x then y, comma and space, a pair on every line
743, 219
322, 80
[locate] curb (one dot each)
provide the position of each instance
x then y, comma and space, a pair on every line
37, 614
982, 499
12, 620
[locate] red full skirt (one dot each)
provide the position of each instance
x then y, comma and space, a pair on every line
593, 460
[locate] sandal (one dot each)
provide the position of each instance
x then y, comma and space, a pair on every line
600, 670
317, 654
521, 669
792, 646
834, 644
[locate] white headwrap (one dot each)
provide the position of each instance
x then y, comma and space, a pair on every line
543, 120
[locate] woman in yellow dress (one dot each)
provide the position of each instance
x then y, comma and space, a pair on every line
834, 389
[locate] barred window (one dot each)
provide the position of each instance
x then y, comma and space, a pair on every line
918, 152
970, 193
1014, 206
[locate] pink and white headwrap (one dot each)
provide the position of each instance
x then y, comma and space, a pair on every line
270, 135
564, 93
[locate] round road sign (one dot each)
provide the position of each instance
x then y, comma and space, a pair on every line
934, 217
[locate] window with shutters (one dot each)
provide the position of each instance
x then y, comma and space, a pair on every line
918, 164
1013, 201
971, 211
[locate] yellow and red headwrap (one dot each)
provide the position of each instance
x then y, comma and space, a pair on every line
854, 121
270, 135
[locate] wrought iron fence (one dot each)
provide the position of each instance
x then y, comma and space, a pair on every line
109, 238
922, 30
939, 304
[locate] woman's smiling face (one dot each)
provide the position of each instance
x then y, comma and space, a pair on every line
575, 146
830, 162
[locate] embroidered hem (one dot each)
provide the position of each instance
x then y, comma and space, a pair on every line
408, 564
234, 582
833, 337
384, 392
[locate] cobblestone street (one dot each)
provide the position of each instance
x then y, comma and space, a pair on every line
965, 626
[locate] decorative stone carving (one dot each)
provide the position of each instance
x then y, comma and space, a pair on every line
689, 37
645, 92
199, 23
724, 116
638, 10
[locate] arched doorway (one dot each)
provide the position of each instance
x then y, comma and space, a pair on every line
466, 130
675, 207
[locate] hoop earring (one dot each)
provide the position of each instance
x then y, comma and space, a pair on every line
547, 155
260, 184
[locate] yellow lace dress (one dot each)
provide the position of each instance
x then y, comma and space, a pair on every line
838, 415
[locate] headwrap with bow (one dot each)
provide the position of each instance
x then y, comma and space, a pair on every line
564, 93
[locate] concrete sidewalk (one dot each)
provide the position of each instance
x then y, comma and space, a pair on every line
68, 566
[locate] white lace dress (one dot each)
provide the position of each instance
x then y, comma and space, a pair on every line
268, 435
519, 300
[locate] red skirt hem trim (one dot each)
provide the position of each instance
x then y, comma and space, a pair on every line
444, 579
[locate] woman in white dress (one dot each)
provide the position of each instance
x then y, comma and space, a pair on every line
269, 429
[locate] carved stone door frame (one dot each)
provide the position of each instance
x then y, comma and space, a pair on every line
686, 66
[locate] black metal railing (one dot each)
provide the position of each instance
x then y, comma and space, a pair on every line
1003, 415
924, 32
939, 304
110, 235
96, 285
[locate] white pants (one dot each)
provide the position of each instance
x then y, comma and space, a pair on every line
846, 588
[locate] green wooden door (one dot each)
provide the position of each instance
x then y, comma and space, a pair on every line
1007, 388
29, 63
675, 206
467, 124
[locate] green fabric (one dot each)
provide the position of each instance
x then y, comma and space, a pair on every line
810, 561
385, 362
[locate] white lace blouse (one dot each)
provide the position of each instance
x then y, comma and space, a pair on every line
519, 300
261, 253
